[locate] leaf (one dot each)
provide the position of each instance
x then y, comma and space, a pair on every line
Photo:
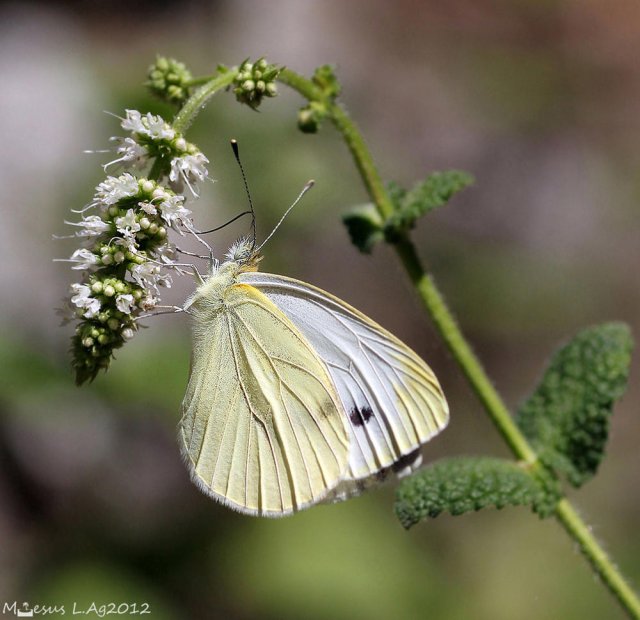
325, 78
364, 225
567, 417
435, 191
466, 484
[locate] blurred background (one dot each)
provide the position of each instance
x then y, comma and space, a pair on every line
537, 99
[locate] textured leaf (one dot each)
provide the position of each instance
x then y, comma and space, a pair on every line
567, 417
466, 484
364, 225
435, 191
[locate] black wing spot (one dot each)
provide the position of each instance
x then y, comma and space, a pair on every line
360, 416
406, 460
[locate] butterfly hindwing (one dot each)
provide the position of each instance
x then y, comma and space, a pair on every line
391, 398
262, 427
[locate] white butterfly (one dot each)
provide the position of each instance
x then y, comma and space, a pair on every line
295, 397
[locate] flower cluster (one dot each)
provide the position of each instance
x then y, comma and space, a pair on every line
125, 249
169, 79
177, 161
255, 81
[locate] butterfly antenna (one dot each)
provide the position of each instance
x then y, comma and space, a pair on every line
236, 152
231, 221
305, 189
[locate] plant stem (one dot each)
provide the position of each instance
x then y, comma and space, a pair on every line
197, 101
597, 557
448, 328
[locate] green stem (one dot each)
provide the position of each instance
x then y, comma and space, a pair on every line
599, 560
448, 328
197, 101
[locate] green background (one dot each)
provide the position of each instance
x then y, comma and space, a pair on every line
537, 99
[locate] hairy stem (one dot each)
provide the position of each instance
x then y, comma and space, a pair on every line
449, 330
198, 100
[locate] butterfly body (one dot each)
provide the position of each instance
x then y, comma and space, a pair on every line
294, 397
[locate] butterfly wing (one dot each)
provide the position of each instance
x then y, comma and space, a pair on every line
392, 399
262, 428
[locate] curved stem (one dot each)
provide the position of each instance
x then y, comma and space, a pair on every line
197, 101
449, 330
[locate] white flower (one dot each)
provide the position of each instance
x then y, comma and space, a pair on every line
148, 276
82, 299
166, 252
127, 241
155, 127
127, 224
145, 273
84, 259
113, 189
148, 208
158, 129
125, 303
133, 122
188, 169
132, 153
173, 211
92, 226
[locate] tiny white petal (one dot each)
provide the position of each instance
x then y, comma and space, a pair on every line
133, 122
125, 303
127, 223
188, 169
173, 211
84, 259
147, 207
113, 189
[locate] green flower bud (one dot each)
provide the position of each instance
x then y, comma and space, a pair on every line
311, 116
109, 290
254, 81
169, 80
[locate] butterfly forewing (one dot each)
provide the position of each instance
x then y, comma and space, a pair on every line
262, 429
392, 400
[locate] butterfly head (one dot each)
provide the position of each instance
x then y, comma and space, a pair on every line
244, 254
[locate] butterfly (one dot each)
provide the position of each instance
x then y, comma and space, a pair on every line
294, 397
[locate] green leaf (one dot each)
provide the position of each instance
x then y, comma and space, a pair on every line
435, 191
325, 78
567, 417
466, 484
364, 225
396, 194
